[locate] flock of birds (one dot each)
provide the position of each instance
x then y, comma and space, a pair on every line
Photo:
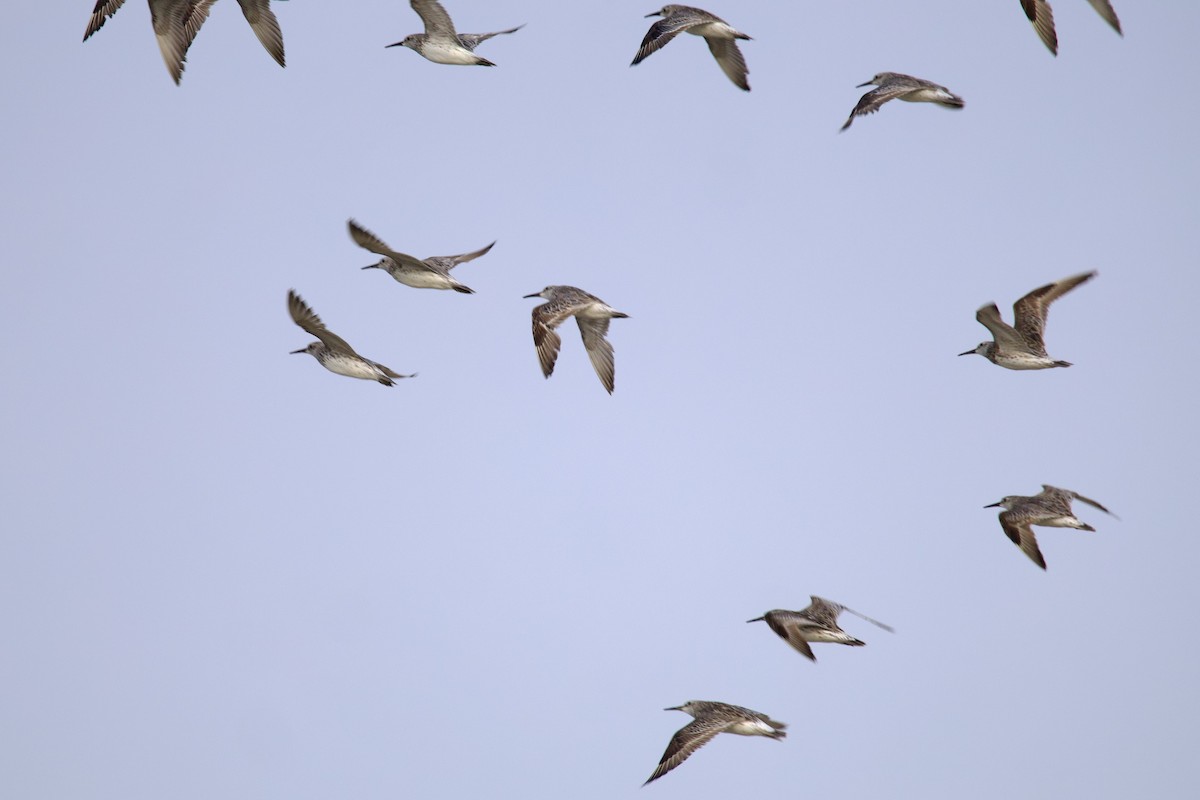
1020, 346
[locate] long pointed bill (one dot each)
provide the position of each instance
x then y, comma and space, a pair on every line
992, 505
756, 619
535, 294
969, 352
653, 14
868, 83
371, 266
294, 352
674, 708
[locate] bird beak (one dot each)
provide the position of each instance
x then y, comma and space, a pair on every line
868, 83
969, 352
756, 619
535, 294
654, 14
674, 708
393, 44
371, 266
294, 352
992, 505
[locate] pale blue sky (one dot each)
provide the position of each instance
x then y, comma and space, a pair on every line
227, 573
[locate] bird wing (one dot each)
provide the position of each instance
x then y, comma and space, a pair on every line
168, 17
100, 14
664, 31
1022, 536
451, 262
307, 319
369, 241
1042, 17
1004, 334
823, 612
1029, 313
546, 318
788, 628
437, 21
197, 14
687, 740
874, 622
1105, 9
729, 57
1066, 496
265, 26
870, 102
473, 40
598, 348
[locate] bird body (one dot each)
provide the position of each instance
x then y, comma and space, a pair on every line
897, 86
429, 273
1022, 346
440, 42
718, 34
712, 718
815, 623
332, 352
1050, 508
591, 314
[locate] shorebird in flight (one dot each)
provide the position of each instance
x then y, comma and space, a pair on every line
895, 86
721, 38
332, 352
592, 314
440, 43
1021, 347
712, 718
816, 623
428, 273
1050, 508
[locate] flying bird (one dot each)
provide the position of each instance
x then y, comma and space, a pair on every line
815, 623
590, 312
1042, 17
332, 352
895, 86
1022, 347
1050, 508
440, 43
721, 38
428, 273
712, 718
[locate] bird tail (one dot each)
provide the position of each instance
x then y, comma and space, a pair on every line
458, 287
1062, 363
620, 315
